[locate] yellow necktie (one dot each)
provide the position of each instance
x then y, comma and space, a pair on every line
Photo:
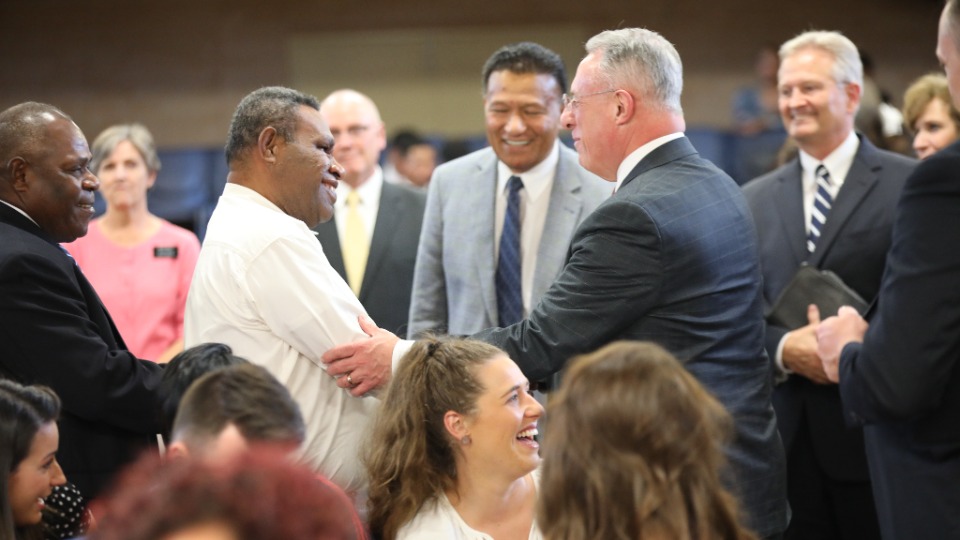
356, 246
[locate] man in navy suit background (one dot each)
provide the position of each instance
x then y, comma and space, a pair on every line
670, 258
899, 377
820, 81
54, 329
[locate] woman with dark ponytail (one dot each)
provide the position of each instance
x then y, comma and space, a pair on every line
28, 463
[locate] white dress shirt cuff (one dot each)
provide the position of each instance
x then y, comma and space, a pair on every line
399, 350
782, 371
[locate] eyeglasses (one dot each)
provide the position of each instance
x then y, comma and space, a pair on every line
570, 100
354, 131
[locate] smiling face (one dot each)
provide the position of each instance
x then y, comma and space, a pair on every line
358, 132
503, 427
306, 174
817, 110
35, 476
934, 129
591, 119
55, 186
124, 177
522, 115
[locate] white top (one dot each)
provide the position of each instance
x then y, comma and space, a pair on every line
637, 156
534, 204
263, 286
838, 164
369, 205
438, 520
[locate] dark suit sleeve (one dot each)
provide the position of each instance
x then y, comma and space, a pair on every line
612, 279
911, 349
50, 339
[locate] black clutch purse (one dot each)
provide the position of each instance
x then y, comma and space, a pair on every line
813, 286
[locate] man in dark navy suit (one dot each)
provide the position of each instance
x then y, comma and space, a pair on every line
54, 329
900, 377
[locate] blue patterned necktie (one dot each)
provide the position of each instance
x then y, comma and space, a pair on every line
509, 291
822, 202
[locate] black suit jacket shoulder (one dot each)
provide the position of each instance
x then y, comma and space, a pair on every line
388, 279
56, 333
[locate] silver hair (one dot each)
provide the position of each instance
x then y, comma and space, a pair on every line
847, 67
139, 137
642, 60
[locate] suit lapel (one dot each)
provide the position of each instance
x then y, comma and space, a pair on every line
384, 229
860, 180
483, 219
565, 207
790, 211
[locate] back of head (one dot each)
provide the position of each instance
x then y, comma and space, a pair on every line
185, 368
410, 455
246, 396
274, 106
847, 66
641, 60
635, 450
257, 496
23, 128
138, 135
526, 57
921, 93
23, 411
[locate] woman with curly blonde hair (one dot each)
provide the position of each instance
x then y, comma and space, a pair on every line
635, 450
453, 454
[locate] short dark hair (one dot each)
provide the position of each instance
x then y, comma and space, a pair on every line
526, 57
405, 139
23, 411
22, 129
248, 397
270, 106
185, 368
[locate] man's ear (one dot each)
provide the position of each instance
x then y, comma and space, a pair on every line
17, 170
854, 94
268, 144
456, 425
177, 450
626, 106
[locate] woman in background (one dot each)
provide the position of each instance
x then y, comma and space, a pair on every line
452, 453
930, 115
28, 458
635, 450
140, 265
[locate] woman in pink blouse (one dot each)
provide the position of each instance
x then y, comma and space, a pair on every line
139, 264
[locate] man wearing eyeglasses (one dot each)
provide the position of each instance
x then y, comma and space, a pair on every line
670, 258
469, 276
372, 240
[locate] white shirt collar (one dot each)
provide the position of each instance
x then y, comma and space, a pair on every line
637, 155
838, 162
21, 212
537, 179
368, 191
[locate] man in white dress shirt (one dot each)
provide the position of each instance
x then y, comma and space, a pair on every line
262, 283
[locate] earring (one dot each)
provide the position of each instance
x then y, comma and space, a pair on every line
465, 440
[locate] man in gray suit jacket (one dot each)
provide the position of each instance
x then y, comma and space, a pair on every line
455, 286
828, 483
670, 258
390, 215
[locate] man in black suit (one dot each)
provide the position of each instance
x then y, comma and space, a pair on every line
670, 258
389, 215
54, 329
900, 377
820, 81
